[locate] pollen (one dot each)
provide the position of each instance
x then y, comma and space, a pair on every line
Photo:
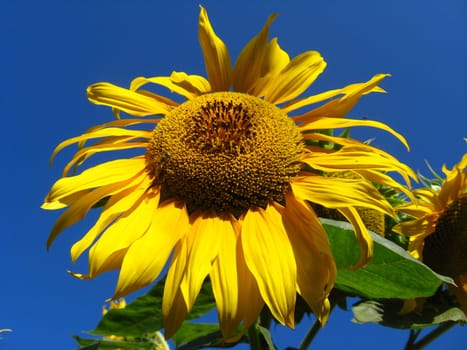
225, 152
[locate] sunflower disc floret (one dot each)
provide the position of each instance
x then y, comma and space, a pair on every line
225, 152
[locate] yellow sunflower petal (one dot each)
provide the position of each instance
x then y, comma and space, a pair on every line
316, 270
128, 101
79, 209
352, 159
415, 247
306, 101
383, 179
188, 86
174, 308
117, 205
341, 106
363, 236
112, 245
249, 63
224, 278
250, 302
275, 59
350, 193
125, 122
174, 317
203, 246
85, 153
269, 257
419, 227
354, 145
216, 55
418, 207
103, 174
196, 84
428, 197
323, 123
107, 132
455, 183
295, 78
65, 201
147, 256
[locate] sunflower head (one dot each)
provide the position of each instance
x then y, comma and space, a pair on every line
437, 211
450, 235
438, 231
225, 152
223, 185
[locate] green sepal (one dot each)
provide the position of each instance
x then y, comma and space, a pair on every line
266, 338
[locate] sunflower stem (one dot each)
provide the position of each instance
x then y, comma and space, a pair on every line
253, 337
413, 335
430, 337
265, 318
310, 335
315, 328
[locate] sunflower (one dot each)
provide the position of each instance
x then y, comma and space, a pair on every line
223, 186
438, 231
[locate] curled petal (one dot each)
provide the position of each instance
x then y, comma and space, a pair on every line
225, 279
275, 59
294, 78
269, 257
339, 107
108, 252
363, 236
354, 145
354, 159
117, 204
115, 171
216, 55
101, 133
250, 301
132, 102
188, 86
250, 61
174, 307
203, 241
146, 257
323, 123
351, 193
316, 270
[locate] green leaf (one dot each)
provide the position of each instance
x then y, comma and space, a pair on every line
434, 311
144, 314
141, 316
197, 335
391, 273
93, 344
190, 331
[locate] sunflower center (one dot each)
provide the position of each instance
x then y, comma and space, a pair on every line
445, 251
225, 152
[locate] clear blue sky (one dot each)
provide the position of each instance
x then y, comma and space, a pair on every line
52, 50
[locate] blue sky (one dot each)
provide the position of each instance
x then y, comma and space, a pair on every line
52, 50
